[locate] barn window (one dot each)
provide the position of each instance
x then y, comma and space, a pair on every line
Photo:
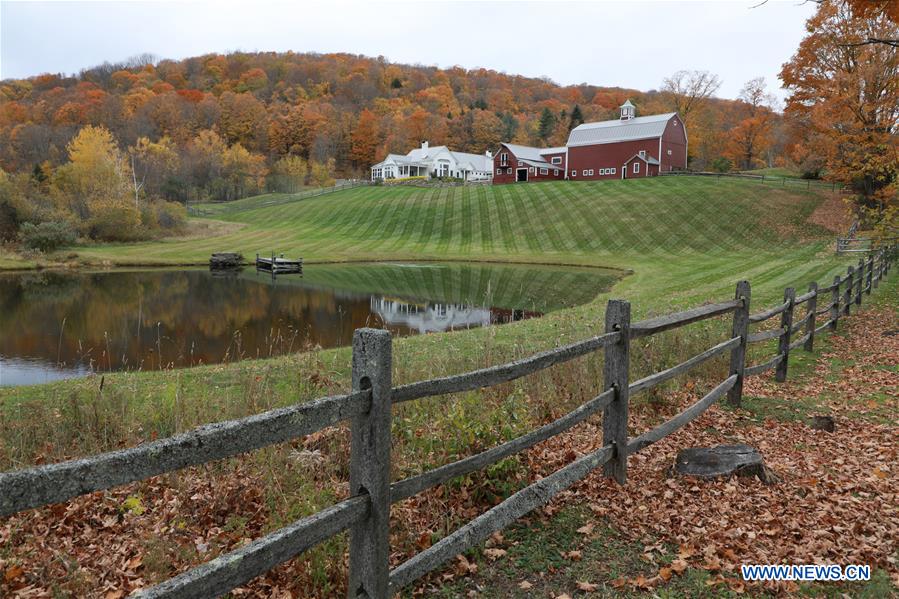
509, 171
504, 159
636, 167
544, 171
613, 170
499, 171
643, 153
669, 152
573, 173
520, 163
557, 160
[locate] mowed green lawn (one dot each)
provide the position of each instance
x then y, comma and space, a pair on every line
549, 220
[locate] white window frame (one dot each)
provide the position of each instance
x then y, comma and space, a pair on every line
636, 167
499, 171
574, 172
509, 171
544, 171
520, 163
669, 152
556, 160
643, 153
504, 159
533, 170
613, 170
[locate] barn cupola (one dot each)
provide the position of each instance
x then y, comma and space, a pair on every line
628, 111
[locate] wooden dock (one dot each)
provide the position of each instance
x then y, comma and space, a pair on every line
279, 264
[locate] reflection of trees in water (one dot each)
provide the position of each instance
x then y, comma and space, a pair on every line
148, 319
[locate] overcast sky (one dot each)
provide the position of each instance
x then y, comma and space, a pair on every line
628, 44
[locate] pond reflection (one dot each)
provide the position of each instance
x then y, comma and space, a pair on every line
56, 325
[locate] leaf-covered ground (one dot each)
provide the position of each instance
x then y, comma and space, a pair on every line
837, 501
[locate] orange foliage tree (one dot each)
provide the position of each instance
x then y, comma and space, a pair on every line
844, 94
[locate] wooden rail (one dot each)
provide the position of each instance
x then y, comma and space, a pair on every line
366, 513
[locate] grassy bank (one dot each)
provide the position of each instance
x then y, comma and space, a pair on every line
686, 241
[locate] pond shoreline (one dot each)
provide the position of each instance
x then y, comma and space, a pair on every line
106, 265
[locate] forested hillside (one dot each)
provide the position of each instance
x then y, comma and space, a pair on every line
338, 111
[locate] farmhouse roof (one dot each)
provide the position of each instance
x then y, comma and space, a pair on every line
644, 157
619, 130
425, 156
558, 150
532, 156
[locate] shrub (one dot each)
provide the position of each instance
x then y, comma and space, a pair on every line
170, 215
47, 236
111, 222
721, 165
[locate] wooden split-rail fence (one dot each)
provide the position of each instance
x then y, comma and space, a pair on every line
366, 513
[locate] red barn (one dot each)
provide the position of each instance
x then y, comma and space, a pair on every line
627, 147
513, 163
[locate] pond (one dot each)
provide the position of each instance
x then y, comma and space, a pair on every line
56, 325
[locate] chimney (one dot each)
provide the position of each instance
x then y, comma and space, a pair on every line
424, 145
488, 154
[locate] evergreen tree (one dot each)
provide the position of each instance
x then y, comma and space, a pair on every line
577, 117
547, 124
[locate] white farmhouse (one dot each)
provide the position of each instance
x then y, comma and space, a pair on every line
438, 161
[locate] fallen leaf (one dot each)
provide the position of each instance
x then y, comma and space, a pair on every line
587, 587
494, 553
13, 572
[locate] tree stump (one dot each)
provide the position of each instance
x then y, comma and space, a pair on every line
723, 460
822, 423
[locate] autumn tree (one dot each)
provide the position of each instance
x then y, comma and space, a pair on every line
843, 94
320, 173
752, 135
152, 163
688, 91
96, 175
243, 170
365, 140
288, 174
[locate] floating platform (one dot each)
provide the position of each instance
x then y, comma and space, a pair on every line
279, 264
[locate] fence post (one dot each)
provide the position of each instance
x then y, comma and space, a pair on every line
812, 304
869, 282
860, 283
738, 354
835, 304
850, 273
786, 322
370, 465
615, 371
877, 268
